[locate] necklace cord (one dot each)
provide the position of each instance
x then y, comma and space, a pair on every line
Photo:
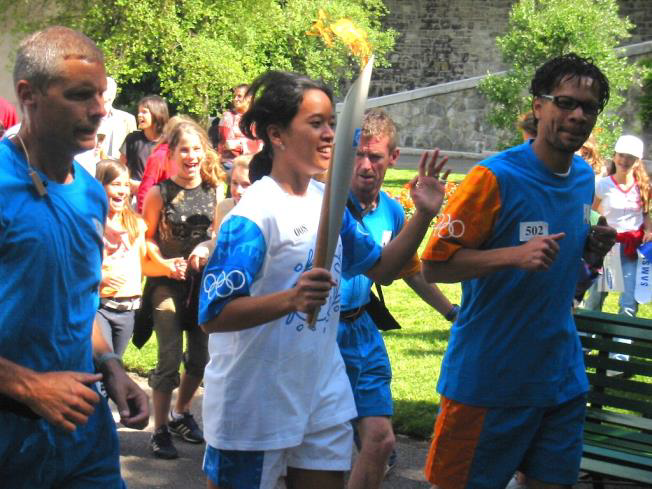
36, 179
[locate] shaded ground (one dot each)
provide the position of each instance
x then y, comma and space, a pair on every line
141, 470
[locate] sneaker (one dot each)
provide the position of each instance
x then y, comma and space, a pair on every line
161, 444
186, 427
516, 482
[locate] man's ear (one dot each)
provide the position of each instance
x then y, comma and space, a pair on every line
393, 157
536, 106
25, 93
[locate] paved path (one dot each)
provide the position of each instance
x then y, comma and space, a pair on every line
141, 470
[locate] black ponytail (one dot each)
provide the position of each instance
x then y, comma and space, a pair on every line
261, 164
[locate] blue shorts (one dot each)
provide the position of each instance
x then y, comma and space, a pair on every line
478, 447
367, 365
35, 455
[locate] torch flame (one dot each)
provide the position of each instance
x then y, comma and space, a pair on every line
344, 30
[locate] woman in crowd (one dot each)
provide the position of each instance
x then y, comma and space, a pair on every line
125, 259
232, 142
138, 145
277, 399
623, 197
179, 213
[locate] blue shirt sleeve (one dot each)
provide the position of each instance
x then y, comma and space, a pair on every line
230, 272
359, 250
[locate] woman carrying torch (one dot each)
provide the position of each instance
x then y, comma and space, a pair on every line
277, 399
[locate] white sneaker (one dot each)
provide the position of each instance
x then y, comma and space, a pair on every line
515, 484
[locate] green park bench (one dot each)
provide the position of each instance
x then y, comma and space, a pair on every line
618, 428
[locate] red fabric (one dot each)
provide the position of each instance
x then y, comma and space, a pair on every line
631, 240
157, 169
8, 115
229, 129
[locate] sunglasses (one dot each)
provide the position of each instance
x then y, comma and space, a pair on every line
569, 103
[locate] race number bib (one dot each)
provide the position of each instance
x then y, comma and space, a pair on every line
529, 230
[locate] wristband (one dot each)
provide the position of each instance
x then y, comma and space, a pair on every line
105, 357
452, 314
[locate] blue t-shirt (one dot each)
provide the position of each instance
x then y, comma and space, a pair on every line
383, 223
50, 264
514, 342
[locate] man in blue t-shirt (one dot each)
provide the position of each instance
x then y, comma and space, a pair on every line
515, 233
57, 429
359, 339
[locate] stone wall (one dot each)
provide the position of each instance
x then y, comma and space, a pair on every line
640, 13
451, 116
442, 40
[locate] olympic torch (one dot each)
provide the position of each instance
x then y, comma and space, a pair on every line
347, 137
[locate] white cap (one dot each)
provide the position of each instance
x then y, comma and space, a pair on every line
629, 145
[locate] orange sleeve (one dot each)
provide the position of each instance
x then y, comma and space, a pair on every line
410, 268
469, 216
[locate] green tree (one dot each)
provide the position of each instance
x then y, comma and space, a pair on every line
193, 51
542, 29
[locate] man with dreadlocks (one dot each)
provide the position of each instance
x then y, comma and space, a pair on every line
512, 381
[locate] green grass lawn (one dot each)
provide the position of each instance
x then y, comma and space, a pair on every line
415, 351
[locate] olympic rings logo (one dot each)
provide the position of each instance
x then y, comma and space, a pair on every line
454, 228
224, 284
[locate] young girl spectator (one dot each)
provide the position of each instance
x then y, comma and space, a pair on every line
179, 213
623, 197
138, 145
277, 399
158, 166
239, 183
125, 259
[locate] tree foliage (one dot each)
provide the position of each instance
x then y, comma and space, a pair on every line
193, 51
542, 29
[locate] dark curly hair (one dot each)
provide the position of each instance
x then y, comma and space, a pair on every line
276, 96
570, 65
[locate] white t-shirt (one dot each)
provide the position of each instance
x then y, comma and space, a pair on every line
623, 208
267, 386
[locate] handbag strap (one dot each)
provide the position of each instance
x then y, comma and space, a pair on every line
357, 215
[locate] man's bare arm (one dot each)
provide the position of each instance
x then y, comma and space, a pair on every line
467, 263
429, 293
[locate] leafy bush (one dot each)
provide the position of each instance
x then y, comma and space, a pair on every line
542, 29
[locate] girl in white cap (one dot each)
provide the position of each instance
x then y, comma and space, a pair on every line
623, 197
